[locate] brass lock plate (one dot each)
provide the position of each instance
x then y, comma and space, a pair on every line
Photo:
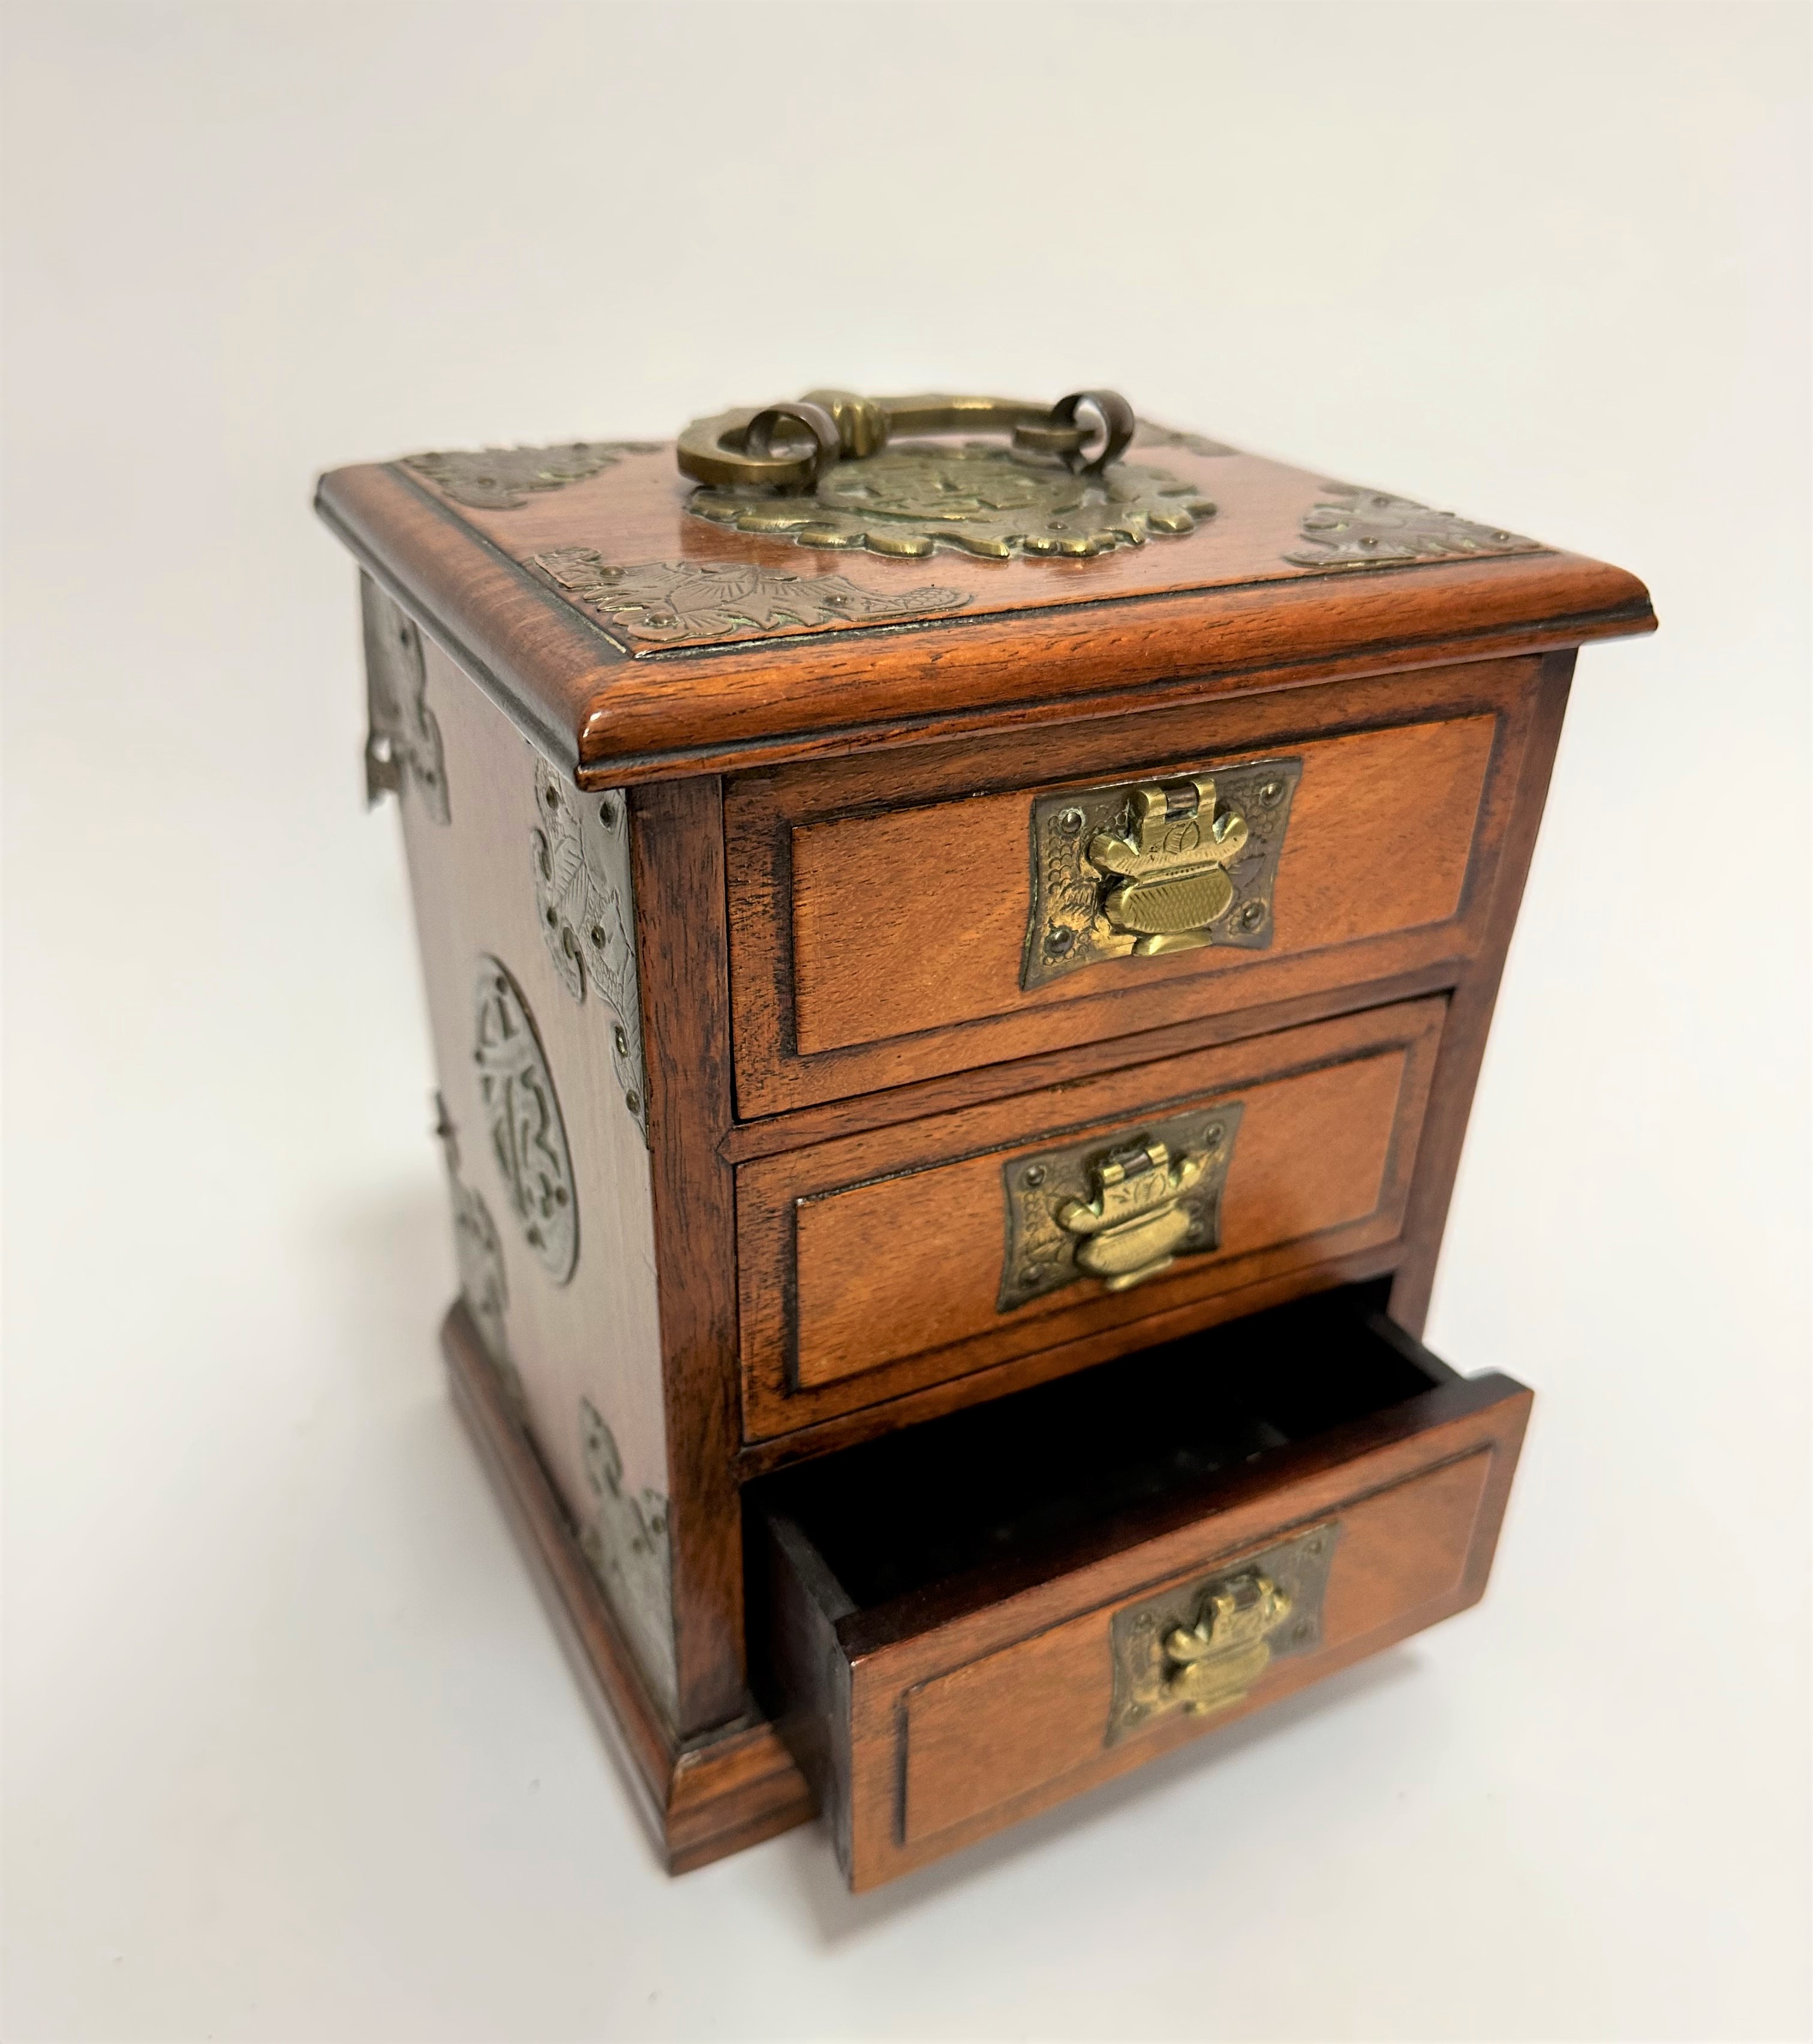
1199, 1649
1120, 1208
1146, 867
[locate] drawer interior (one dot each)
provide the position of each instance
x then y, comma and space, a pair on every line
1038, 1477
964, 1622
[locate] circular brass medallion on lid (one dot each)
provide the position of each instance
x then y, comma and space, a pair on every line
913, 497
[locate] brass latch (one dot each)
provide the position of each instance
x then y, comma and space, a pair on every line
1134, 1227
1122, 1208
1160, 866
1169, 870
1200, 1648
1214, 1663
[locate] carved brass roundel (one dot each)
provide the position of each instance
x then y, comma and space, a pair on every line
529, 1139
910, 499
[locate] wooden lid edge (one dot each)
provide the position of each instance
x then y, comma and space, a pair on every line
531, 652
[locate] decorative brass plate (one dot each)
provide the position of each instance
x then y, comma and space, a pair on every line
579, 859
1120, 1208
402, 736
1200, 1648
995, 502
1367, 528
627, 1543
1152, 867
671, 602
504, 478
529, 1139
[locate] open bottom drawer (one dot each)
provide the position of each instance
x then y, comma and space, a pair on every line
962, 1625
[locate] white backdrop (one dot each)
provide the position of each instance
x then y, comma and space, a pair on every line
290, 1751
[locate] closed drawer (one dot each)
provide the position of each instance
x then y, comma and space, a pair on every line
963, 1623
1077, 1221
956, 906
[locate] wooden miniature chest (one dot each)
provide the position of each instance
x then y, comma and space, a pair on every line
959, 938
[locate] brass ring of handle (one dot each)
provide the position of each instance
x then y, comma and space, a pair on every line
745, 448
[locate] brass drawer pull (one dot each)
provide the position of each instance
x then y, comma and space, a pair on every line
1201, 1649
1156, 866
1122, 1208
1136, 1223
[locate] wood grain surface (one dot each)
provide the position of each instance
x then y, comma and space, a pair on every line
870, 1267
879, 907
1378, 839
677, 852
595, 1339
699, 1798
937, 1722
1044, 641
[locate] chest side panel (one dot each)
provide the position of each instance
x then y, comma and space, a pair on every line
523, 927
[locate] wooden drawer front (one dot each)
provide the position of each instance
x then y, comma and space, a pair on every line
875, 1265
879, 911
938, 1718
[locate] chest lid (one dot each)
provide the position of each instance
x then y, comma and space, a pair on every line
838, 570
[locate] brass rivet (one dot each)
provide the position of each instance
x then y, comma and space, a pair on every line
1034, 1176
632, 1100
1253, 915
597, 936
619, 1037
608, 815
1070, 821
1212, 1135
1059, 940
1272, 793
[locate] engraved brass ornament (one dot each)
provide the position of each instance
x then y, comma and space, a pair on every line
579, 861
626, 1542
479, 1256
529, 1139
1151, 435
1357, 529
1121, 1209
505, 478
833, 469
669, 602
402, 738
1200, 1649
1149, 867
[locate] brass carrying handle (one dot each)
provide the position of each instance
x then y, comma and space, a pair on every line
787, 446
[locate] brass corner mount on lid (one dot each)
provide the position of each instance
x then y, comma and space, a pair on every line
834, 469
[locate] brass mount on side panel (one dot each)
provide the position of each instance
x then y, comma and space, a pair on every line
1121, 1208
1152, 867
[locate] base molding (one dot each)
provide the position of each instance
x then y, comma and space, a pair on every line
701, 1798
